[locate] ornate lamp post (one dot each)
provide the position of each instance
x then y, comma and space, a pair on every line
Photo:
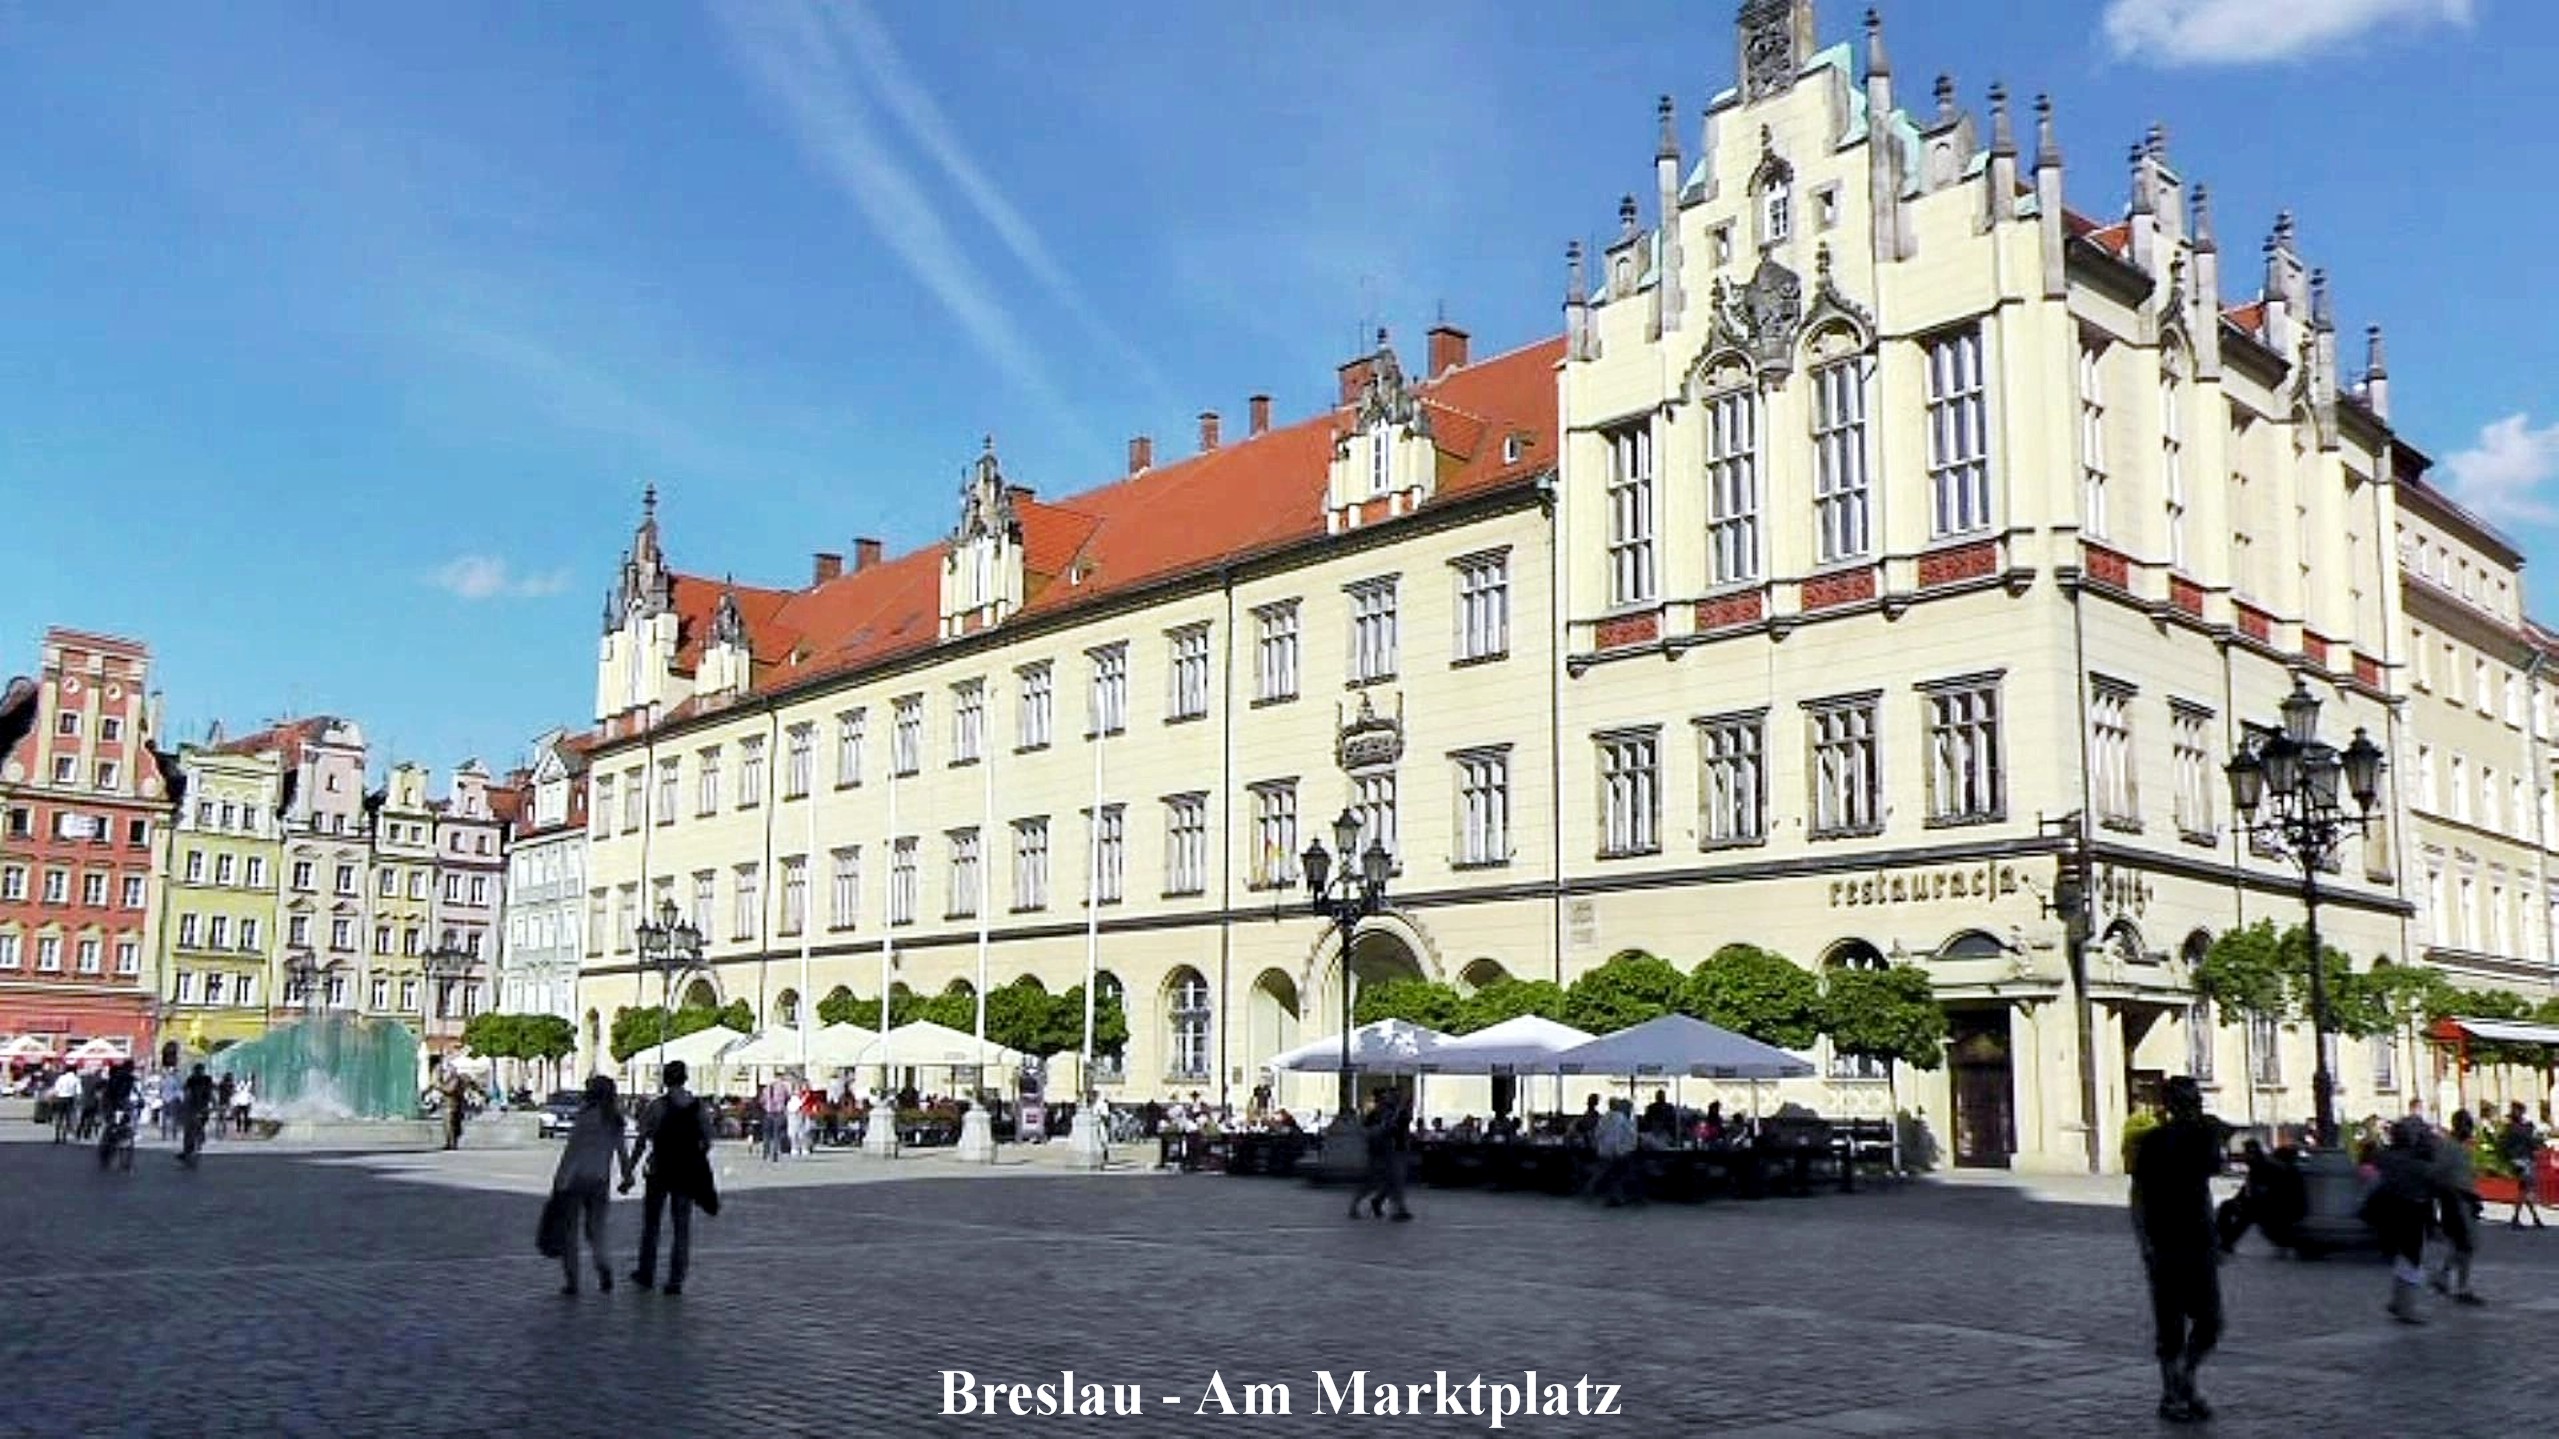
669, 945
2291, 791
1346, 898
304, 971
446, 965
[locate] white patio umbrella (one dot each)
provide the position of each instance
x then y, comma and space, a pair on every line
1675, 1044
1529, 1043
702, 1049
1385, 1046
774, 1047
922, 1044
838, 1046
100, 1050
25, 1047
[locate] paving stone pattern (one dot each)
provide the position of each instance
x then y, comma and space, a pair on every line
269, 1293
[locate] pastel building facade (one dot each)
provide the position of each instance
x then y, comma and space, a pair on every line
217, 963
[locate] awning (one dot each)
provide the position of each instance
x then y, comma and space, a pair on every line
2501, 1031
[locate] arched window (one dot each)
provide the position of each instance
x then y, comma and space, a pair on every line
1479, 974
786, 1007
1187, 1007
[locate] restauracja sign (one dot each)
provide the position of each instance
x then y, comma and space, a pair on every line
1923, 885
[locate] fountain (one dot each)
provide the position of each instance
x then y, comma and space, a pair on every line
336, 1081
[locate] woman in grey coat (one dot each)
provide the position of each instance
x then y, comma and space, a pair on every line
596, 1143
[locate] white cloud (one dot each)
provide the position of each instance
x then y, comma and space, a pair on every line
791, 54
2501, 478
2251, 32
487, 577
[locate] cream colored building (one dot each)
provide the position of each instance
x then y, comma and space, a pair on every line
217, 971
1880, 530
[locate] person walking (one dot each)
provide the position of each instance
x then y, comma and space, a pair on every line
1616, 1142
2172, 1171
775, 1120
1381, 1133
804, 1104
242, 1099
2397, 1209
456, 1089
91, 1082
196, 1102
582, 1184
65, 1097
170, 1095
2457, 1210
2520, 1145
222, 1095
675, 1141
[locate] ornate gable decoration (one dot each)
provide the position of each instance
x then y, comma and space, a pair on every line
1389, 397
1759, 321
986, 502
728, 622
1773, 169
1367, 739
1770, 55
1833, 310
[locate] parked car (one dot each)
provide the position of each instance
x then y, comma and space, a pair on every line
560, 1111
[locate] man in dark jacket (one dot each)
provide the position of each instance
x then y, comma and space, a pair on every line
2173, 1167
1385, 1132
675, 1142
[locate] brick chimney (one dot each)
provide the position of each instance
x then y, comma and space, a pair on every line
1208, 430
1260, 409
866, 555
827, 566
1447, 348
1141, 454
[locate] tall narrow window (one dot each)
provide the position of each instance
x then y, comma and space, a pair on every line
1275, 652
1109, 707
1483, 807
1186, 844
906, 735
1847, 772
1109, 859
1030, 863
903, 882
1373, 637
1189, 1011
2092, 441
750, 901
1483, 606
1733, 787
1373, 802
1964, 776
1840, 475
851, 733
965, 869
801, 758
1630, 793
599, 824
1188, 698
795, 893
1037, 717
2110, 737
1732, 488
1630, 515
2172, 458
844, 897
706, 889
2196, 773
750, 772
2200, 1035
1275, 834
968, 721
1958, 435
706, 780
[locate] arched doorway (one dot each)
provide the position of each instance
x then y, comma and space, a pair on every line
1855, 954
1982, 1077
1271, 1017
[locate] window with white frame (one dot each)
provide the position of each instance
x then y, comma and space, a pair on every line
1841, 516
1186, 844
129, 962
2482, 687
2191, 741
1035, 714
1847, 769
1275, 834
851, 734
966, 865
1030, 863
93, 889
302, 878
1631, 573
844, 895
216, 986
1189, 1011
750, 901
1732, 488
2110, 758
1107, 864
13, 883
186, 986
1275, 652
1958, 435
906, 735
217, 932
256, 878
342, 936
190, 931
1483, 606
968, 721
904, 882
1373, 634
1106, 712
799, 758
1188, 698
1630, 792
1965, 772
2265, 1051
1373, 803
2092, 440
2200, 1036
12, 950
600, 820
705, 916
750, 772
195, 866
2385, 1061
57, 886
2172, 458
795, 893
48, 954
2488, 818
1483, 807
1732, 779
2514, 699
1776, 212
2461, 789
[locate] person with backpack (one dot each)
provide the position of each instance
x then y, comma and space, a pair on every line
675, 1141
2519, 1144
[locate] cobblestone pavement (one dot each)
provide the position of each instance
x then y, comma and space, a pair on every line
269, 1293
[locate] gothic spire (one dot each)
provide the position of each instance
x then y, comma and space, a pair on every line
2047, 140
1877, 62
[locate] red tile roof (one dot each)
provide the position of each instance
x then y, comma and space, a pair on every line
286, 737
1242, 499
2248, 319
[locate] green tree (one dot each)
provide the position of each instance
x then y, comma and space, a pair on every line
637, 1029
492, 1035
737, 1014
1509, 999
1064, 1031
547, 1039
953, 1008
841, 1007
2243, 973
1756, 992
1632, 987
2354, 1005
1887, 1014
1425, 1002
1017, 1014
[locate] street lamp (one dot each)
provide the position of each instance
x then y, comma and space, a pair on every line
2287, 788
447, 963
669, 945
304, 971
1346, 899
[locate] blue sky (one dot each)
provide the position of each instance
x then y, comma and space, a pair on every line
340, 340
